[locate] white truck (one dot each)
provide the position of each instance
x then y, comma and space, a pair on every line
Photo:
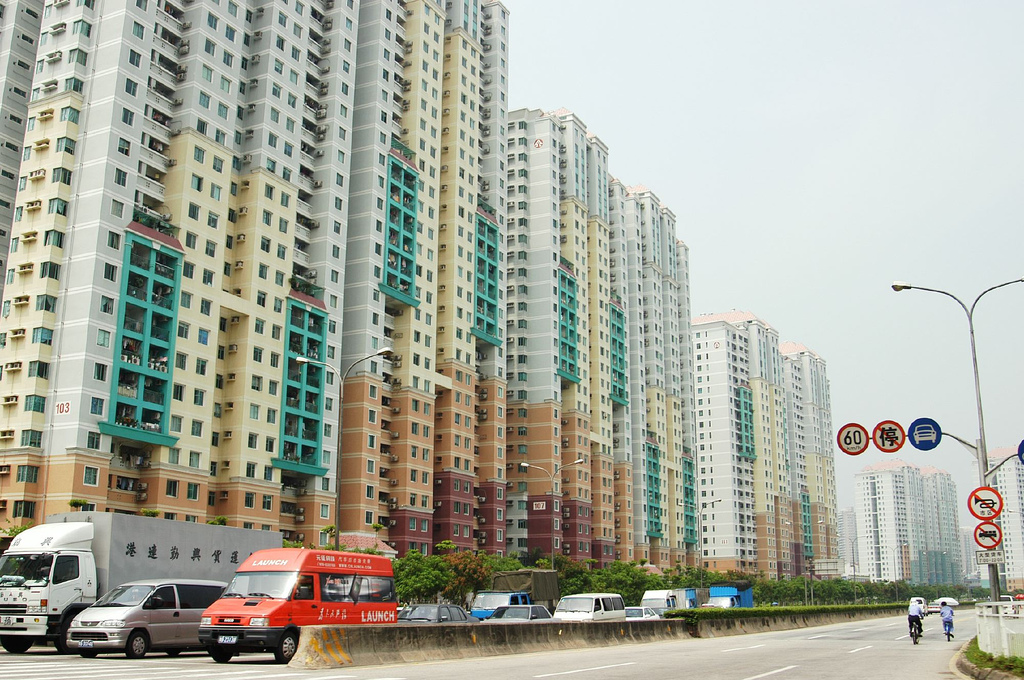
52, 571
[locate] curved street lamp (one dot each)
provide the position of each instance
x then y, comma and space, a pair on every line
551, 476
383, 351
898, 286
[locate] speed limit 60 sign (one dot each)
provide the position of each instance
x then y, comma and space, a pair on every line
853, 439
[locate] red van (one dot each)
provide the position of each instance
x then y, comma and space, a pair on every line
275, 592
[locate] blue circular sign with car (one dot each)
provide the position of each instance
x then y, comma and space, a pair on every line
924, 434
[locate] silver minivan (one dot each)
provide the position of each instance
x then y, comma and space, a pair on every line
137, 617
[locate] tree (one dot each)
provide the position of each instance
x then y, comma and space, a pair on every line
420, 578
470, 572
219, 520
627, 579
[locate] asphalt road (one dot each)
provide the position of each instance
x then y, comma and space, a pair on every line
874, 649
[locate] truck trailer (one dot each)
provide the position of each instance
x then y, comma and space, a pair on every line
523, 586
54, 570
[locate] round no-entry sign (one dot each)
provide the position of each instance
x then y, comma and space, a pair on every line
985, 503
988, 535
853, 439
889, 436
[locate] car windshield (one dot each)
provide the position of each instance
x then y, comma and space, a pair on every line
426, 612
124, 596
576, 604
25, 570
490, 600
634, 612
275, 584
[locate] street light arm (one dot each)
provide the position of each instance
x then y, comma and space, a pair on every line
989, 290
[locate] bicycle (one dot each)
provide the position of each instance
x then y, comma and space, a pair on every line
947, 627
916, 631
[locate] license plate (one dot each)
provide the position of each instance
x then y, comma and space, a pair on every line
227, 639
84, 644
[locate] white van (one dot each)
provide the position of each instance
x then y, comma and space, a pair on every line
591, 607
137, 617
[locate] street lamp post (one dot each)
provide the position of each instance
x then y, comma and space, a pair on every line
524, 466
341, 404
993, 569
701, 564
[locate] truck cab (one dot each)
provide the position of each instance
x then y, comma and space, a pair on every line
47, 576
486, 601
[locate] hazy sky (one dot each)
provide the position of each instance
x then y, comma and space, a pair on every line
813, 153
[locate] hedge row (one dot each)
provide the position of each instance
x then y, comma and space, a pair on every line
692, 616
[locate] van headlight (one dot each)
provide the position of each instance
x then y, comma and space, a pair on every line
206, 621
112, 623
259, 621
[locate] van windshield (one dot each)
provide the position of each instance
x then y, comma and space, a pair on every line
576, 604
275, 584
125, 596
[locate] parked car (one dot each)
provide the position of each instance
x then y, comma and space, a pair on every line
640, 613
435, 613
137, 617
516, 613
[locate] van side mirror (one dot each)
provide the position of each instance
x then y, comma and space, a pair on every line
155, 602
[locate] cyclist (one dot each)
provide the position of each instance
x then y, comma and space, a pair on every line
946, 613
914, 614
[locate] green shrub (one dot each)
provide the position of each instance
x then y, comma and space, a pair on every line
694, 616
1009, 664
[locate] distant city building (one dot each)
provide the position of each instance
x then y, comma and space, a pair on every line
847, 527
907, 526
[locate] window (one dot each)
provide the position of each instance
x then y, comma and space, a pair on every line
250, 499
192, 491
90, 476
172, 488
28, 474
24, 509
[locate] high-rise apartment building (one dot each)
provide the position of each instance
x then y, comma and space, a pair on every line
601, 405
847, 531
264, 255
742, 456
812, 462
208, 193
907, 526
766, 488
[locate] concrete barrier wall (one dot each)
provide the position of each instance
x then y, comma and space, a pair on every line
338, 646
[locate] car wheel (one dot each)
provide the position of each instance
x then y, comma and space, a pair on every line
219, 654
16, 644
286, 647
61, 643
88, 655
137, 645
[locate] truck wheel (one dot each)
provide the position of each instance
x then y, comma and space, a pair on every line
16, 644
137, 645
219, 654
286, 647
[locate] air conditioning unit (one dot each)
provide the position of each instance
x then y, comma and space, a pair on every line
318, 184
300, 537
229, 406
179, 101
393, 503
319, 153
239, 264
240, 238
393, 482
228, 434
231, 377
5, 469
232, 348
258, 35
244, 210
437, 504
247, 158
394, 459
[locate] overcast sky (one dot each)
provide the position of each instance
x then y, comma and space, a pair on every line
813, 153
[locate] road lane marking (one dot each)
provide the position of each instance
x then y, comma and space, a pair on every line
890, 625
815, 637
859, 649
857, 630
737, 649
584, 670
765, 675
